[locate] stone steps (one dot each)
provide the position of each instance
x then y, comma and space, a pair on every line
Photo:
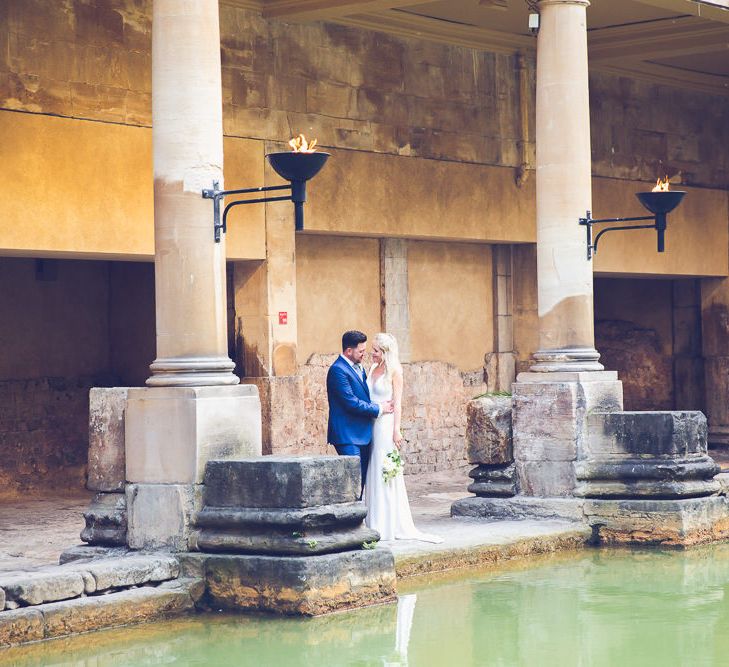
84, 614
77, 579
80, 596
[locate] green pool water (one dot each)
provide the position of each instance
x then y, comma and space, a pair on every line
591, 608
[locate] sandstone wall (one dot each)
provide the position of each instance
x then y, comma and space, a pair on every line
450, 289
434, 416
337, 289
44, 434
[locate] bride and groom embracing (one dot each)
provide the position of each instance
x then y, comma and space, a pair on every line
365, 410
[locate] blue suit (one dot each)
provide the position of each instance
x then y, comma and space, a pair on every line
351, 413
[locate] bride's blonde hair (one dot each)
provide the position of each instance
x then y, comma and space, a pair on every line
390, 355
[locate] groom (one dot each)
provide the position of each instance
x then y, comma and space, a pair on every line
351, 411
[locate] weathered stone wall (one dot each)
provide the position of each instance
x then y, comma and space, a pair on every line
43, 434
434, 412
361, 89
650, 332
65, 326
642, 130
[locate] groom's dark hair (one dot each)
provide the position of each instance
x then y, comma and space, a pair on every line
352, 339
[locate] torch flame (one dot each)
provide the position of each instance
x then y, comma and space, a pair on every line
662, 185
301, 145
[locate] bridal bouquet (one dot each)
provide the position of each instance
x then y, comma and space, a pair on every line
392, 466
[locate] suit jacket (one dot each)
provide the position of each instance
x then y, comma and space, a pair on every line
351, 411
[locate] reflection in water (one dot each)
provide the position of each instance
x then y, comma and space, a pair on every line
596, 608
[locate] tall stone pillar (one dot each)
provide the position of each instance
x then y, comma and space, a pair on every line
193, 409
564, 193
187, 134
566, 382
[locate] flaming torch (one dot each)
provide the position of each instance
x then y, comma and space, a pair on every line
660, 201
298, 165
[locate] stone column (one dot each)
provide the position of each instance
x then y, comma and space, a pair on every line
194, 409
187, 135
566, 329
566, 383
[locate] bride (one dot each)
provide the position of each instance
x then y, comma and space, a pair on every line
388, 509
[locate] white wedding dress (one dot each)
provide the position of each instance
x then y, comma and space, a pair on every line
388, 508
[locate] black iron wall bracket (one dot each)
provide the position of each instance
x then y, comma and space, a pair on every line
588, 221
218, 195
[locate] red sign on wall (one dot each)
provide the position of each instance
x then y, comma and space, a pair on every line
283, 317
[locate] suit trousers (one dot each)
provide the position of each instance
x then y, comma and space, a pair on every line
363, 451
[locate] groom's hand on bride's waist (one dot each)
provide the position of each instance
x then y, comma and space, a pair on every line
387, 407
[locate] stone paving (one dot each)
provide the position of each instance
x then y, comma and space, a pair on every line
34, 532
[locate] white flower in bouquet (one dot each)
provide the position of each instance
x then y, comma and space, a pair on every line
392, 465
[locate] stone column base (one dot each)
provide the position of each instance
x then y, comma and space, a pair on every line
549, 422
493, 480
106, 520
172, 432
305, 585
659, 522
160, 516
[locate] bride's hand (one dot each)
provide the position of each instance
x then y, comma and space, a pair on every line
397, 438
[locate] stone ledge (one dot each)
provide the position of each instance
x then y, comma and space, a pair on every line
309, 586
673, 523
60, 619
519, 507
74, 579
411, 565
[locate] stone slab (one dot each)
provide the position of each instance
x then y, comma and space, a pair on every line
106, 461
19, 626
137, 605
677, 434
308, 586
34, 588
86, 552
160, 515
76, 578
171, 432
519, 508
132, 571
682, 522
279, 481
